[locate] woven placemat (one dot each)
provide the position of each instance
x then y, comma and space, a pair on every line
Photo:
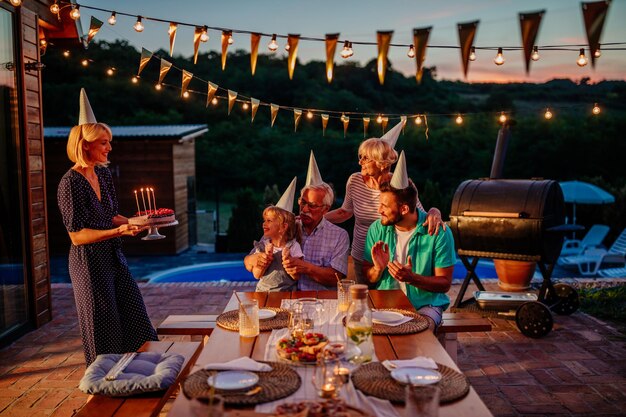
418, 324
278, 383
229, 320
374, 379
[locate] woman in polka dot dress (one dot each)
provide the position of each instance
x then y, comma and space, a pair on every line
111, 312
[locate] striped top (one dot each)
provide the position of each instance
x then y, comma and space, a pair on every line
363, 203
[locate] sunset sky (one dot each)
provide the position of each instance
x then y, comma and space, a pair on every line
359, 20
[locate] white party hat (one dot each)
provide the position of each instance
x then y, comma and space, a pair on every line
86, 113
391, 137
286, 201
313, 176
400, 179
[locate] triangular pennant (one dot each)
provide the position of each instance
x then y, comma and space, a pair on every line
255, 38
325, 118
529, 25
172, 32
297, 113
403, 122
345, 120
143, 61
400, 179
331, 46
366, 123
594, 15
467, 31
313, 176
382, 39
255, 106
384, 122
187, 76
391, 137
420, 42
288, 197
274, 112
211, 92
292, 41
196, 43
94, 27
165, 67
85, 112
232, 96
226, 35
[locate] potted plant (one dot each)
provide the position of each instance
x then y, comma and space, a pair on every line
514, 275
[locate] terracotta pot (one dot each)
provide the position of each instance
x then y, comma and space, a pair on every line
514, 275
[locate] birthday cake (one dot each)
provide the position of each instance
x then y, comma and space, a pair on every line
153, 217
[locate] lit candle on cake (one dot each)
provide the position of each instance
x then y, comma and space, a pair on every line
137, 200
149, 201
143, 200
154, 198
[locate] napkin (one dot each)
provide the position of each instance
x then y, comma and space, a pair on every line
417, 362
240, 364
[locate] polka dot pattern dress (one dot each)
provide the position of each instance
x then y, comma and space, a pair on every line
111, 312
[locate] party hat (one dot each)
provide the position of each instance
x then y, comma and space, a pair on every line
400, 179
86, 113
286, 201
391, 137
313, 176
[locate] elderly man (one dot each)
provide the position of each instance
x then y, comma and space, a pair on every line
400, 254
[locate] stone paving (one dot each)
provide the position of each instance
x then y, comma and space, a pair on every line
579, 369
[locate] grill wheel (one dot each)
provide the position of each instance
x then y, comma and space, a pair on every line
563, 300
534, 319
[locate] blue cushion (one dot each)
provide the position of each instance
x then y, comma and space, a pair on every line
149, 371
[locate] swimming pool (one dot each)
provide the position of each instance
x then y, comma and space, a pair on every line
234, 271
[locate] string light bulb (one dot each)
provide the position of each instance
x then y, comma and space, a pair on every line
43, 42
458, 120
204, 35
54, 7
582, 59
186, 94
16, 3
597, 53
75, 13
110, 71
245, 105
112, 19
548, 114
499, 59
214, 101
535, 54
418, 120
158, 86
66, 53
309, 114
472, 55
230, 39
135, 79
347, 51
84, 62
502, 118
138, 26
273, 45
411, 53
287, 47
379, 119
596, 109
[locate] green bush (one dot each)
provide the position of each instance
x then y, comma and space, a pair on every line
604, 303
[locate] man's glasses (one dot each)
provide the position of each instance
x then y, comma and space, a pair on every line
303, 203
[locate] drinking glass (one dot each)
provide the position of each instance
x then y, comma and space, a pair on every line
311, 311
343, 295
213, 407
249, 318
422, 400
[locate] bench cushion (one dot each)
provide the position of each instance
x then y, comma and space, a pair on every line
149, 371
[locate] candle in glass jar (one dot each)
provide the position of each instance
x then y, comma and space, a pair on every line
343, 374
328, 390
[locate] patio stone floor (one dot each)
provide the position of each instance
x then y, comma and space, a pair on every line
579, 369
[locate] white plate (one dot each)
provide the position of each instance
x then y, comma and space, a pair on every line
417, 376
266, 314
386, 317
230, 380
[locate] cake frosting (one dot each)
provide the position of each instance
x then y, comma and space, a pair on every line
153, 217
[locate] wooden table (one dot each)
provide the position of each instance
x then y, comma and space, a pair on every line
225, 345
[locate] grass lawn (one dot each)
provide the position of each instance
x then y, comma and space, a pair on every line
607, 304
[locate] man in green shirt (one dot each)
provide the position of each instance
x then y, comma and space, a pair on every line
400, 254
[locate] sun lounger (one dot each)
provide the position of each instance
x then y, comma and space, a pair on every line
590, 261
613, 272
592, 239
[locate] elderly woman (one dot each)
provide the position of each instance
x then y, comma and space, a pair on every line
111, 312
376, 156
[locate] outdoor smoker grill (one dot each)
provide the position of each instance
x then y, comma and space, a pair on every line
518, 220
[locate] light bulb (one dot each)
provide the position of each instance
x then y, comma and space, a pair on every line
244, 106
458, 120
350, 51
309, 115
16, 3
502, 118
204, 35
214, 101
286, 47
230, 39
135, 79
596, 109
345, 52
75, 13
110, 71
138, 25
66, 53
158, 86
411, 53
582, 59
84, 62
273, 46
418, 120
472, 55
113, 19
186, 94
548, 114
597, 53
43, 42
499, 59
535, 55
379, 119
54, 8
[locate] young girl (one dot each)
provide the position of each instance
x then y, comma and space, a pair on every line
278, 242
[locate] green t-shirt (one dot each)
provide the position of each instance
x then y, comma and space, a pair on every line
426, 252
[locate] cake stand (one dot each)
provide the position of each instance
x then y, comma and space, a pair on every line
153, 231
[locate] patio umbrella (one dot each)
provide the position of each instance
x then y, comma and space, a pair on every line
579, 192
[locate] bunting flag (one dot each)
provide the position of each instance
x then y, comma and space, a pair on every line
467, 31
366, 123
594, 15
187, 76
94, 27
143, 61
274, 112
165, 67
226, 35
325, 118
420, 42
331, 46
232, 96
255, 106
403, 120
172, 32
297, 113
255, 38
529, 24
345, 120
292, 41
211, 93
196, 43
384, 124
382, 39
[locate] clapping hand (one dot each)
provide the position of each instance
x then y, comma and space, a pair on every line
402, 273
380, 255
264, 259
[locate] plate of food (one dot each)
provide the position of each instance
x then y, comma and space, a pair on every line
233, 380
324, 408
301, 349
416, 376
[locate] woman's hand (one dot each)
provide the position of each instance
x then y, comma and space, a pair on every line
130, 230
434, 221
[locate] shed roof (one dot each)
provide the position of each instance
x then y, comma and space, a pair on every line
177, 132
